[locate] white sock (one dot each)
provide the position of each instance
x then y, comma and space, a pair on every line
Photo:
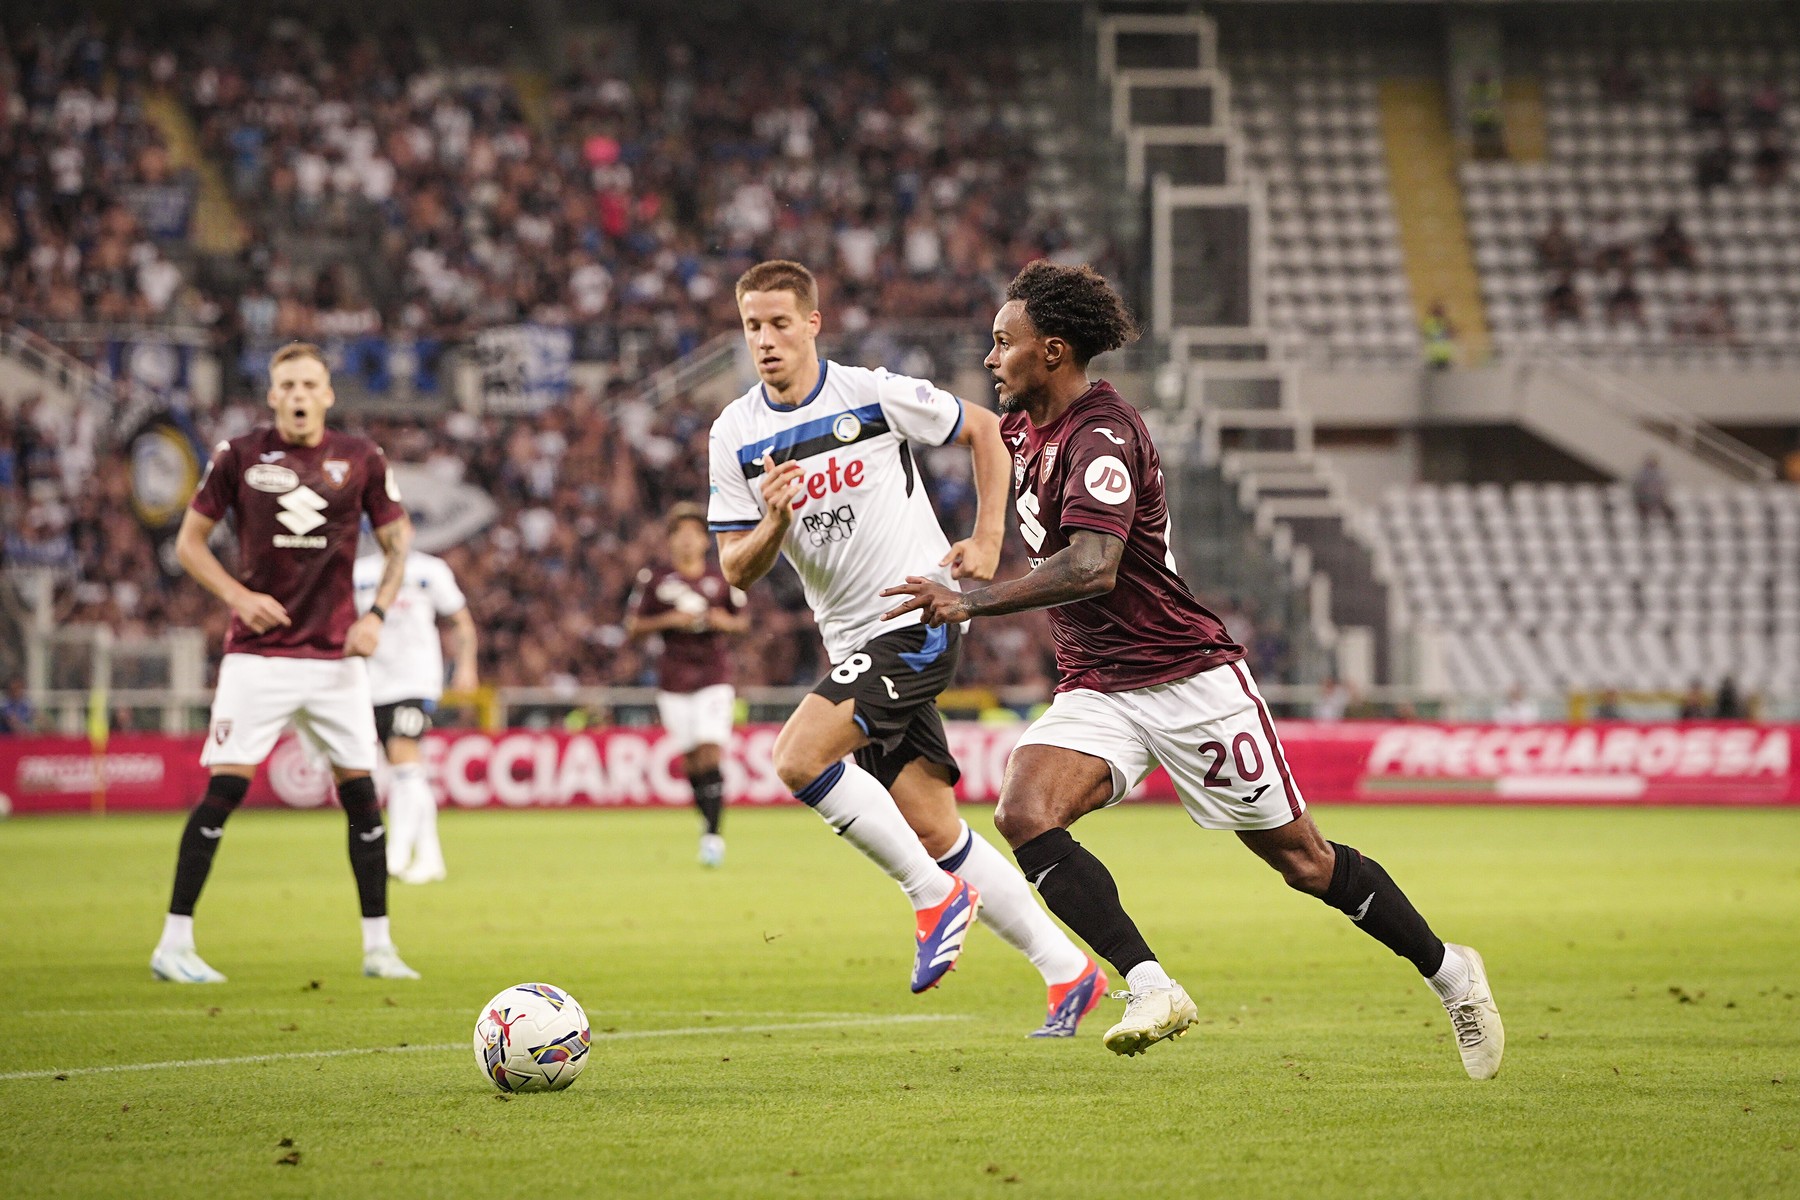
375, 933
421, 809
177, 934
402, 817
1148, 975
1010, 910
862, 812
1453, 978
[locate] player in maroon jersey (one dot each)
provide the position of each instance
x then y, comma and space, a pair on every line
1148, 675
297, 493
689, 603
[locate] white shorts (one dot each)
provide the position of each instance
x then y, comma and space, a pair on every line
327, 699
1211, 732
701, 718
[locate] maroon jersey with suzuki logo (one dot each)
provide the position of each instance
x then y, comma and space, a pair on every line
299, 511
1095, 468
691, 660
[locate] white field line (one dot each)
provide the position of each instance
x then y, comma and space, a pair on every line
332, 1010
624, 1035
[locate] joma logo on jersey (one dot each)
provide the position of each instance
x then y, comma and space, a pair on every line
301, 511
830, 525
831, 479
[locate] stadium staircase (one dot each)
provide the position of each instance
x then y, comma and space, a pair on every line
217, 228
1434, 241
1522, 114
1613, 425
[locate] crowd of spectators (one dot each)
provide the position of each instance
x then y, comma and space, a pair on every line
623, 201
580, 490
620, 202
81, 167
1613, 249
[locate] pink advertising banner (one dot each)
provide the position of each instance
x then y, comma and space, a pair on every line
1334, 763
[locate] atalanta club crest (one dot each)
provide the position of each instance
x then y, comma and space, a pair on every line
336, 471
221, 731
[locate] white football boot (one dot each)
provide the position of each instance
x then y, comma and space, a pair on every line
182, 966
1480, 1037
384, 962
712, 850
1151, 1016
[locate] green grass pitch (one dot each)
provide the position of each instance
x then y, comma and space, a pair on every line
754, 1034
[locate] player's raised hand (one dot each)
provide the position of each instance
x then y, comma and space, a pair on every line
364, 636
261, 612
973, 558
781, 486
936, 604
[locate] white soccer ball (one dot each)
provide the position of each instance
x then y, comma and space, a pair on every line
532, 1038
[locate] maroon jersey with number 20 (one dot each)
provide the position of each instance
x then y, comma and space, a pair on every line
299, 511
1095, 468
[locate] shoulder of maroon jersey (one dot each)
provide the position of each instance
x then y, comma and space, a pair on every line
351, 444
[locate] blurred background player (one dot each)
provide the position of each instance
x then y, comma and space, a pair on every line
298, 493
688, 602
816, 462
406, 680
1148, 676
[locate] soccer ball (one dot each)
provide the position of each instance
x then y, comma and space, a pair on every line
531, 1038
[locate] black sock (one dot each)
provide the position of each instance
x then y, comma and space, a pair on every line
1360, 888
200, 840
368, 843
709, 796
1078, 888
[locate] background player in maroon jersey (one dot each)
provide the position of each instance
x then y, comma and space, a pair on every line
691, 605
298, 493
1148, 675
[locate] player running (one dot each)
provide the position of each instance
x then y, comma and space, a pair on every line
817, 462
1147, 675
689, 603
295, 651
406, 681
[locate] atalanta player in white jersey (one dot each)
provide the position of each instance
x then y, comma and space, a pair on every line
406, 681
817, 462
296, 649
1148, 675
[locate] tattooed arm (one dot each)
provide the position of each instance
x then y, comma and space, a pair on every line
1087, 566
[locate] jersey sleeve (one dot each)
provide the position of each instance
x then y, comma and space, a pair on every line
365, 576
219, 486
381, 495
920, 411
733, 503
1099, 489
441, 589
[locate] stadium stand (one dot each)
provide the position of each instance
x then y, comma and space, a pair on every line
1637, 110
1311, 125
1554, 588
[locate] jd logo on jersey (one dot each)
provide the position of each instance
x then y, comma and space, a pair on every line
1107, 480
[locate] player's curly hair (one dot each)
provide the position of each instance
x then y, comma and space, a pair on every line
1075, 304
